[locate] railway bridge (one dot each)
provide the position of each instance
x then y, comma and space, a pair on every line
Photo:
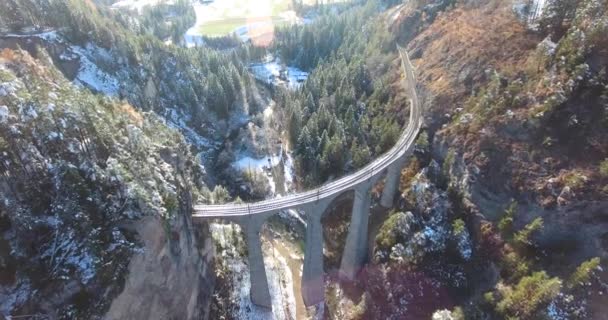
251, 216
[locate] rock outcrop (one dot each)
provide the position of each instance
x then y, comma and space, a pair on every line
172, 277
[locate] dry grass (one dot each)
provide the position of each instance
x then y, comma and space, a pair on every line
7, 55
133, 114
460, 45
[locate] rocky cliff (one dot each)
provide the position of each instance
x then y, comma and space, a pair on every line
96, 199
172, 278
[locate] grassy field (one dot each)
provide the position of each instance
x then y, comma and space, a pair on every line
219, 28
222, 17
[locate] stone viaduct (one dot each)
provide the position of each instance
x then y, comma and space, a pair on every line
314, 202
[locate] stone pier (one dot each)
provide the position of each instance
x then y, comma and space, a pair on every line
355, 249
313, 286
391, 184
260, 293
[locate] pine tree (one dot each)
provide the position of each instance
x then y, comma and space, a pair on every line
584, 272
294, 125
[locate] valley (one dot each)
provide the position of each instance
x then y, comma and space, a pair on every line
279, 159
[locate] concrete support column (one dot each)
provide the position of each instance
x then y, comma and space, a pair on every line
391, 184
355, 250
313, 286
260, 293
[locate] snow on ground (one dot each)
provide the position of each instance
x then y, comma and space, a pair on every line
193, 36
538, 7
280, 279
261, 165
249, 163
266, 72
49, 35
289, 171
296, 77
193, 40
90, 75
292, 214
177, 120
529, 11
270, 73
268, 112
245, 162
14, 295
4, 113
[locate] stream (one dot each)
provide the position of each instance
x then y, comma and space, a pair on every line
281, 236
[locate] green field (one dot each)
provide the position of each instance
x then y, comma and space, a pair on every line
223, 18
222, 27
225, 27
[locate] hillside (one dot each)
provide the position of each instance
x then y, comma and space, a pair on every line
112, 128
79, 174
201, 91
515, 157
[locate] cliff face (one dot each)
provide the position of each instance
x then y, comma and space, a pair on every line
172, 277
95, 200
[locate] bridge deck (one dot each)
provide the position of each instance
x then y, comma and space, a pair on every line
334, 188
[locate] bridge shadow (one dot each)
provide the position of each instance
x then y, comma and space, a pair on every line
336, 223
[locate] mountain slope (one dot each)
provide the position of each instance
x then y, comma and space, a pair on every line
517, 121
198, 89
78, 173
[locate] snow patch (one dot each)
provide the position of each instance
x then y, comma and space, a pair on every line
288, 170
4, 114
277, 271
262, 165
49, 35
292, 214
249, 163
177, 120
538, 6
193, 38
90, 75
85, 264
275, 73
27, 113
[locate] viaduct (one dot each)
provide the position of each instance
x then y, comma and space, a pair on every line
314, 202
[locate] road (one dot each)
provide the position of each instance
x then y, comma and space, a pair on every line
332, 189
